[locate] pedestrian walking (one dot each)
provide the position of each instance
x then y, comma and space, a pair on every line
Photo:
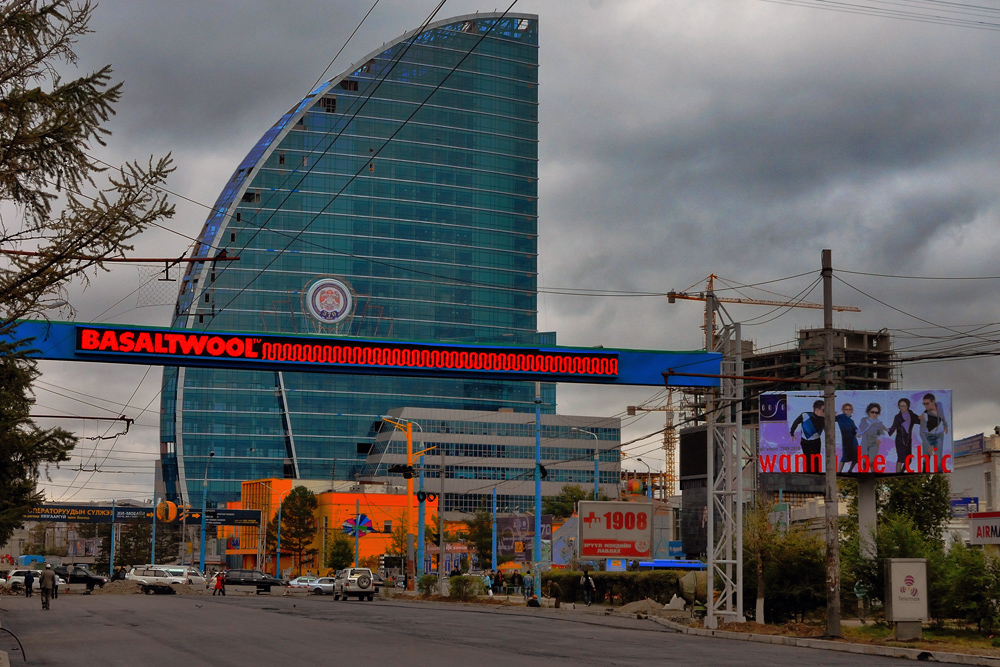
47, 582
29, 582
220, 584
529, 585
588, 586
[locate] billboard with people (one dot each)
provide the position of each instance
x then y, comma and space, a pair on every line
886, 432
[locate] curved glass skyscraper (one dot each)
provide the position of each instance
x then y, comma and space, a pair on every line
397, 200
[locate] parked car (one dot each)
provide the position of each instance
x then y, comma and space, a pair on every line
305, 581
16, 579
81, 575
354, 582
262, 581
323, 586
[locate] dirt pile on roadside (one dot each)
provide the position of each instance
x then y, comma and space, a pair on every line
126, 587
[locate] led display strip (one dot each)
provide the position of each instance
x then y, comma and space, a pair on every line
160, 346
367, 355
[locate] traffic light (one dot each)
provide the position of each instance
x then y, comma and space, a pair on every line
542, 471
406, 471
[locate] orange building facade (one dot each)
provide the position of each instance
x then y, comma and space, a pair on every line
245, 545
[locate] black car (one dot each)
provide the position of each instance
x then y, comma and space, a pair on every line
81, 575
256, 578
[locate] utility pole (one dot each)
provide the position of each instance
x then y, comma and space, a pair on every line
152, 548
536, 554
111, 562
441, 546
829, 436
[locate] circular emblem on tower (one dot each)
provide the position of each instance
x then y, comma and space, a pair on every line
329, 300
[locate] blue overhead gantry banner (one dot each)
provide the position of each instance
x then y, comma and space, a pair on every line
124, 344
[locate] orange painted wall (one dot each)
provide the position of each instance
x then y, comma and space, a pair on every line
334, 509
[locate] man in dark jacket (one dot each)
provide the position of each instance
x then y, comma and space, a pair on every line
812, 424
47, 582
587, 583
29, 582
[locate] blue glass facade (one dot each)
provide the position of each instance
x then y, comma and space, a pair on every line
413, 179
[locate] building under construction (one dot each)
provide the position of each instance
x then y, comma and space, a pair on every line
862, 360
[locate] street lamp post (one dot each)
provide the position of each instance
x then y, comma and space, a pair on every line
597, 461
649, 478
204, 507
494, 531
407, 428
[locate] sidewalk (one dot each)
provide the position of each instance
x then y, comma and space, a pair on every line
570, 608
838, 645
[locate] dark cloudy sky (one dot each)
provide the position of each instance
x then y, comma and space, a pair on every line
678, 138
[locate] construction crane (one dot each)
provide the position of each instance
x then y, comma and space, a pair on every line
669, 441
672, 296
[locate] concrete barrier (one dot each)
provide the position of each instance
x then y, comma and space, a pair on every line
302, 592
277, 590
4, 660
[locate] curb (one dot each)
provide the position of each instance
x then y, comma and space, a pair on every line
830, 645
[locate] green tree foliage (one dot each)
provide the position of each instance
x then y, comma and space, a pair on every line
26, 451
397, 542
926, 499
972, 590
619, 587
479, 533
794, 573
298, 525
48, 123
895, 537
564, 504
339, 551
47, 126
465, 587
761, 540
134, 541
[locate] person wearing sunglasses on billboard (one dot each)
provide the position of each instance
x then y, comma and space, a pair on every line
870, 429
902, 426
933, 426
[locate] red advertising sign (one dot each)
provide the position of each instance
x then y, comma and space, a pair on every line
615, 530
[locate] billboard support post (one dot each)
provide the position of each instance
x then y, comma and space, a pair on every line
830, 436
867, 516
724, 419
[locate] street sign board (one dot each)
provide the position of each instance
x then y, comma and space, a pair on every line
615, 529
984, 528
126, 514
961, 508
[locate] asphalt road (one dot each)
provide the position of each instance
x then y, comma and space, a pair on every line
150, 631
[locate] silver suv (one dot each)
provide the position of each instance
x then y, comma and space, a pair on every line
354, 581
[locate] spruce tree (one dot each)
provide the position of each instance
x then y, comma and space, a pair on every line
61, 221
